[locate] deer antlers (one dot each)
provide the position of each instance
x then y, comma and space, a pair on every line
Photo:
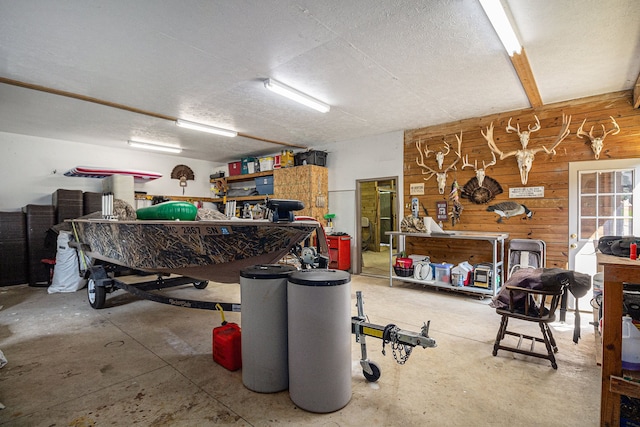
441, 177
597, 142
525, 156
480, 173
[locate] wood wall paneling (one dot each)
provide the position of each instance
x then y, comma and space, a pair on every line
550, 221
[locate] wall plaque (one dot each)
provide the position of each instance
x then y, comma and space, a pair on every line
526, 192
416, 189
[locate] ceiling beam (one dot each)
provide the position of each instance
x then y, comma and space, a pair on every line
523, 69
124, 107
636, 93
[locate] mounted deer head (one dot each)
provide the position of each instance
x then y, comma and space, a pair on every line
525, 156
440, 155
480, 173
525, 134
441, 177
597, 142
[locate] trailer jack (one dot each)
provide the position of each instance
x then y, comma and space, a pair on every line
402, 342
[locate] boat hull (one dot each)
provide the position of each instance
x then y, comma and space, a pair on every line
205, 250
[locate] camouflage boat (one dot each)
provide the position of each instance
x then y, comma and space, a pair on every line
205, 250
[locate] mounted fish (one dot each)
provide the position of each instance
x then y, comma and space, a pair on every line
597, 142
525, 156
509, 209
441, 177
456, 206
480, 189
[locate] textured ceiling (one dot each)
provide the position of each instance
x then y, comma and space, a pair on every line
383, 65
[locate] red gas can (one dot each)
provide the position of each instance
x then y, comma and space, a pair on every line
226, 346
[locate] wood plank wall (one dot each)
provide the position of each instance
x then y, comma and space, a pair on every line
550, 221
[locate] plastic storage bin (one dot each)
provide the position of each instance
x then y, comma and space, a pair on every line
311, 157
442, 272
235, 168
266, 163
264, 185
250, 165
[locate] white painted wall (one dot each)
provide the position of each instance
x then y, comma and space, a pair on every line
32, 169
363, 158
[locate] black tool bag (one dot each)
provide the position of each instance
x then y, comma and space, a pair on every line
616, 245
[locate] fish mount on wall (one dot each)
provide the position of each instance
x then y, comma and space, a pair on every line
481, 188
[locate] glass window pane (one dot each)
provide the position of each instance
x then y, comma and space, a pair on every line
606, 206
588, 183
606, 227
624, 181
587, 228
623, 206
606, 181
624, 227
588, 206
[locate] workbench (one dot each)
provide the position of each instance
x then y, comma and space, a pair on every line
617, 270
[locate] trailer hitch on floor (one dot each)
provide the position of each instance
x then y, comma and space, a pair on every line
402, 342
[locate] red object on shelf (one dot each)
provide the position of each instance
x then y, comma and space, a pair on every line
339, 252
227, 346
235, 168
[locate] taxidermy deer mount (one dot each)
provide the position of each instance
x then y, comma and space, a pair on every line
480, 173
441, 177
597, 142
482, 188
525, 156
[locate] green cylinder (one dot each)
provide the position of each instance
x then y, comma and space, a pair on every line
183, 211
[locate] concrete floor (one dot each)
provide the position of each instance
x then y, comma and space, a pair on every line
140, 362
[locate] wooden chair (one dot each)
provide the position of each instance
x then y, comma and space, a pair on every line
538, 306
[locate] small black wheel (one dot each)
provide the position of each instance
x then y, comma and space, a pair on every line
201, 285
97, 294
375, 375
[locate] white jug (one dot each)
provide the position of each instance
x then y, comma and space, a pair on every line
630, 345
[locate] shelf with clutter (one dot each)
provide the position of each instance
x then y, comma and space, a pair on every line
482, 278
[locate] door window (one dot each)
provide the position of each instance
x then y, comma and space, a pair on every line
605, 203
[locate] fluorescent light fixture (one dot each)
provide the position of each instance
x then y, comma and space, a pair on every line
206, 128
500, 22
155, 147
295, 95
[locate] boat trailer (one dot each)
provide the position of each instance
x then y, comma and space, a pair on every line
402, 342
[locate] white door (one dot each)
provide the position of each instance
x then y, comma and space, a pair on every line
602, 195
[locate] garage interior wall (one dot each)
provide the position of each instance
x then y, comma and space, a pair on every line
33, 169
550, 221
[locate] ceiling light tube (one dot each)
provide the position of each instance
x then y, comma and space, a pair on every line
155, 147
295, 95
502, 26
206, 128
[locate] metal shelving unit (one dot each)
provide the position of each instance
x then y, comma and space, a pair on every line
497, 240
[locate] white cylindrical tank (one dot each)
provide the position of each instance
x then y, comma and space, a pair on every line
319, 319
263, 293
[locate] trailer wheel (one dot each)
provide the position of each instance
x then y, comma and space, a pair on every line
201, 285
375, 375
96, 294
